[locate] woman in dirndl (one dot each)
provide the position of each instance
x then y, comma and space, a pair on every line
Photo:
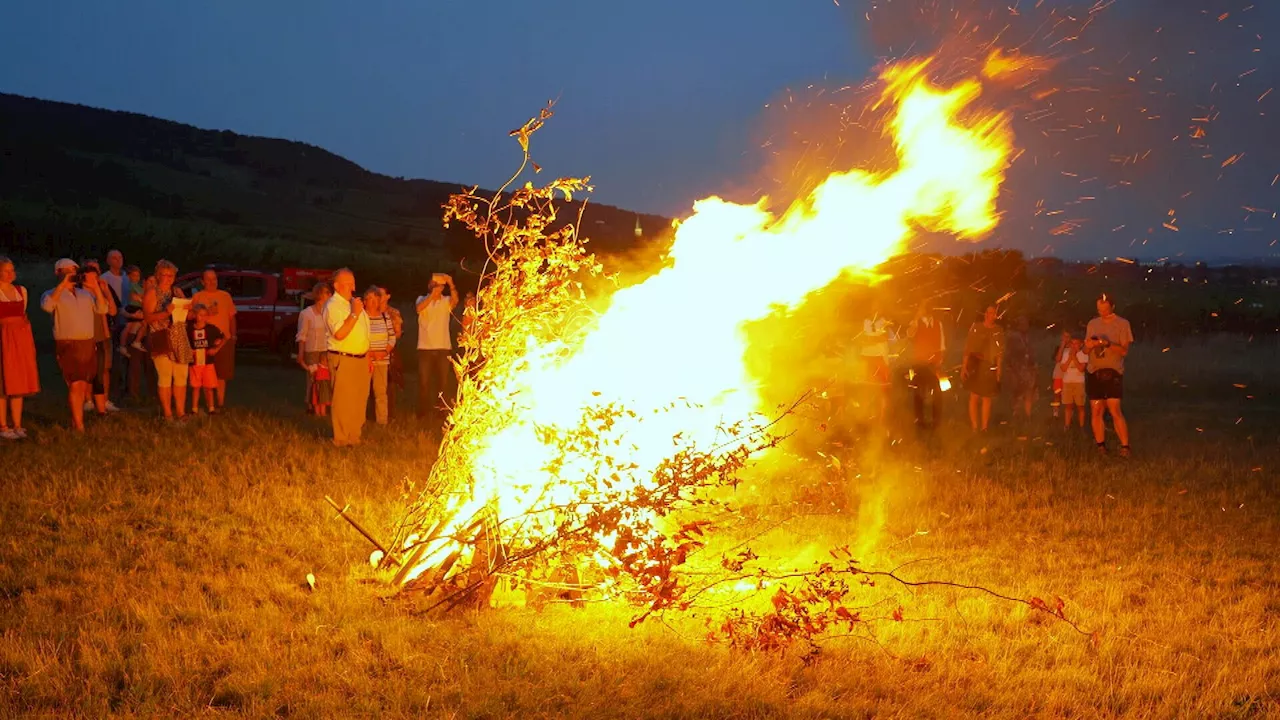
19, 376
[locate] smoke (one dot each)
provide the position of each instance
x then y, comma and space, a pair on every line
1144, 131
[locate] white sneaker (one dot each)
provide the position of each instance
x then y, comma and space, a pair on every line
8, 434
137, 345
21, 433
88, 407
111, 407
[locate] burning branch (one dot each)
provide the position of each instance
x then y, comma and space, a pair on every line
581, 454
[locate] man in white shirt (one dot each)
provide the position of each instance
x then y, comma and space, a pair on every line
434, 345
349, 366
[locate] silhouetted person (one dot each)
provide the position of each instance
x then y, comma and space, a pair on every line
1108, 339
983, 355
434, 345
928, 347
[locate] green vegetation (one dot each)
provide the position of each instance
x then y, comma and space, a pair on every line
159, 571
77, 181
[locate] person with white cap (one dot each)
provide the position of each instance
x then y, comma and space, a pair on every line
76, 304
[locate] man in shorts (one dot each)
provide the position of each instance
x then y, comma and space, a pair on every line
78, 304
1108, 338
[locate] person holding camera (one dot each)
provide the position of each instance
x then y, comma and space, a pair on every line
434, 345
78, 304
349, 363
1109, 337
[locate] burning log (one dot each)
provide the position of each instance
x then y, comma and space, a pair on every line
464, 570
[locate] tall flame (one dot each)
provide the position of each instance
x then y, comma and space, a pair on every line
678, 335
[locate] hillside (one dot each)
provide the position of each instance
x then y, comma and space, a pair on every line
75, 180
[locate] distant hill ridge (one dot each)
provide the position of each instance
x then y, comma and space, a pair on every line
77, 179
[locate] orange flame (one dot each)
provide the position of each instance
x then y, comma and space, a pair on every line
677, 337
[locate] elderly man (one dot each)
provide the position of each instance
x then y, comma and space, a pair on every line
117, 280
78, 304
222, 315
1109, 337
118, 283
349, 366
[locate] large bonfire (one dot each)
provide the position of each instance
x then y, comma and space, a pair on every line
587, 440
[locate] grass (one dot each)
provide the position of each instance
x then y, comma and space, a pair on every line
150, 571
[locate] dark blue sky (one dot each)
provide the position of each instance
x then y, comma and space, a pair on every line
663, 102
655, 98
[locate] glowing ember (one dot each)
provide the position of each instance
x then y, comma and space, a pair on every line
671, 348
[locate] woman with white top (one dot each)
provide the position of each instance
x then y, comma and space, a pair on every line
313, 351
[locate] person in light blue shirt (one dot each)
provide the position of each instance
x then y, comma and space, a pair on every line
76, 303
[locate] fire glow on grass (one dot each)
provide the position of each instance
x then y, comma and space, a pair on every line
671, 348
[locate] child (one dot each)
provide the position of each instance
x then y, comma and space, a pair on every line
1057, 371
134, 329
205, 341
1073, 362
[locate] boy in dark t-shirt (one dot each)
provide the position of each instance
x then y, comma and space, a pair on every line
206, 340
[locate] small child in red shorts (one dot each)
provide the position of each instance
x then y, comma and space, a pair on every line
206, 340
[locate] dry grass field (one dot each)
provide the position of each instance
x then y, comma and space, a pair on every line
154, 571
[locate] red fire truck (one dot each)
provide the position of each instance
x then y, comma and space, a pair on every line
267, 303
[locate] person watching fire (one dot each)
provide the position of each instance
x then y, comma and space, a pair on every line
983, 358
434, 345
927, 349
77, 305
349, 365
1108, 339
877, 334
222, 314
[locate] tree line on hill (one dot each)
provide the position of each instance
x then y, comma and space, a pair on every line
76, 180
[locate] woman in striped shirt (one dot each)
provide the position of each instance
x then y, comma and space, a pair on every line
382, 340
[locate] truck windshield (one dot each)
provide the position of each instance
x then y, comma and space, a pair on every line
244, 287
